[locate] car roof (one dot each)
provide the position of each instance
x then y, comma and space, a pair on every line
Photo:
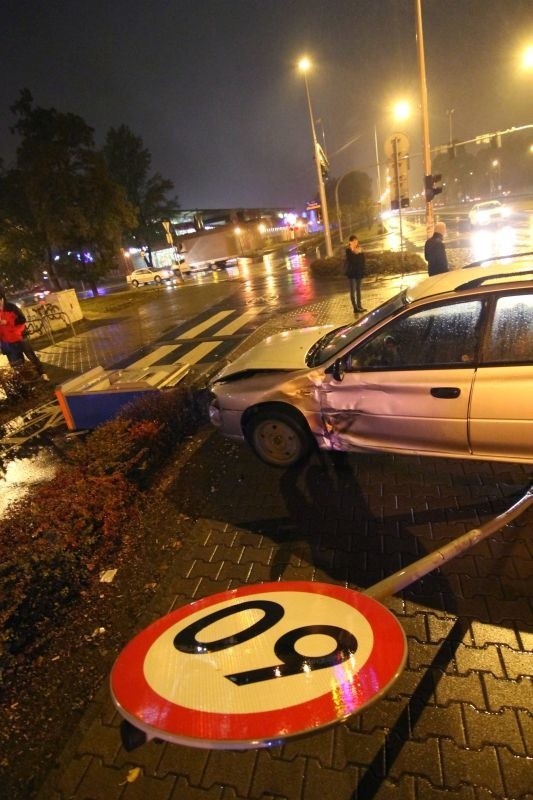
498, 270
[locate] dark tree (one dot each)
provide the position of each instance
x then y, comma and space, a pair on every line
129, 163
59, 198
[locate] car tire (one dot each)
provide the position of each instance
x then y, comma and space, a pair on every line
278, 438
135, 284
157, 279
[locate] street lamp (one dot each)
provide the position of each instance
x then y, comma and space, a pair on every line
425, 116
401, 110
304, 65
527, 58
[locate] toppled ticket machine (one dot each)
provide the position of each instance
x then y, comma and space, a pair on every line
98, 395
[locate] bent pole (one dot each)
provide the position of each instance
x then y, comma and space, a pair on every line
404, 577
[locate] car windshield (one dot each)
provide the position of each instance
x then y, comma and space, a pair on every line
328, 345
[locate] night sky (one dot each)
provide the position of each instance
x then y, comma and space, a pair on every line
212, 87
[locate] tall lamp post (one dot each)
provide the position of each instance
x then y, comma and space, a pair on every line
304, 64
425, 119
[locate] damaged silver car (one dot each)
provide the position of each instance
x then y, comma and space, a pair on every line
444, 368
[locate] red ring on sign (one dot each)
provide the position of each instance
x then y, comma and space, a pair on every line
145, 708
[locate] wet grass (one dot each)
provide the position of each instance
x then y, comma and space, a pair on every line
103, 304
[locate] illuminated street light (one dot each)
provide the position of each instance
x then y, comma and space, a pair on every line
401, 110
304, 65
527, 58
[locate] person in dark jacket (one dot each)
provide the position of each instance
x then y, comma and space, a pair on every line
14, 344
435, 252
355, 271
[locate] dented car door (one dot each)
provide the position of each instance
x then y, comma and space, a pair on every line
407, 387
422, 410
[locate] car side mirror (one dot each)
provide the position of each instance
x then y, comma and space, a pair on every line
338, 370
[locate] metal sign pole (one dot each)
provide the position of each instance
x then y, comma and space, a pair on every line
404, 577
234, 697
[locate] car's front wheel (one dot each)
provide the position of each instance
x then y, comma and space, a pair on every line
135, 284
278, 438
157, 279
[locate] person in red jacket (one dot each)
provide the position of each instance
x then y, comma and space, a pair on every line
13, 343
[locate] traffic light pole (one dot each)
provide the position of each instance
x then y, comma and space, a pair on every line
398, 190
425, 117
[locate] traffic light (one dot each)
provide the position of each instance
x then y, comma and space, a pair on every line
431, 188
323, 161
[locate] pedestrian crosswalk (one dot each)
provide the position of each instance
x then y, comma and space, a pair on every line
210, 322
208, 340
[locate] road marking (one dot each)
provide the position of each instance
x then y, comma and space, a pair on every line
199, 352
231, 327
156, 355
23, 429
203, 326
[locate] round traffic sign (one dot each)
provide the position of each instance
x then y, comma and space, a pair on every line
255, 665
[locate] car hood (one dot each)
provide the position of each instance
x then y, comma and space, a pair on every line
282, 351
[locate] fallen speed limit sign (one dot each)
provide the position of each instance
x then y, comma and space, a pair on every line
252, 666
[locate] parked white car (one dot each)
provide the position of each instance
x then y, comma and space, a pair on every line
487, 212
444, 368
146, 275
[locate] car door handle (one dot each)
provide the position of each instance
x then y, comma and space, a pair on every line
445, 392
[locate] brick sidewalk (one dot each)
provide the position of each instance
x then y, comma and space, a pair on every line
457, 722
456, 725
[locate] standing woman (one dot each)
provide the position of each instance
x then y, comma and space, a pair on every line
355, 272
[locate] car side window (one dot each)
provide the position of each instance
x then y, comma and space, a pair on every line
442, 335
511, 333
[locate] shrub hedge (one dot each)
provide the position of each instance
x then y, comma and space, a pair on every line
56, 539
386, 262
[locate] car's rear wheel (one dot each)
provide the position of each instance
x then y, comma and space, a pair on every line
157, 279
278, 438
135, 284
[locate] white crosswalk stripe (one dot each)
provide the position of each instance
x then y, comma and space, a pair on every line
203, 326
199, 352
156, 355
204, 348
231, 327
